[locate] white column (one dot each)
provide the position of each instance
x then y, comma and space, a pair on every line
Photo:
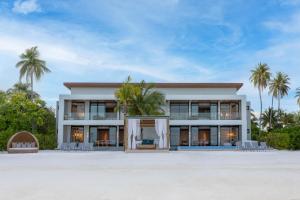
219, 135
190, 135
244, 119
118, 136
86, 134
60, 127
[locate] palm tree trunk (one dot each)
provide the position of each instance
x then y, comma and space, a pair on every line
271, 112
279, 112
259, 90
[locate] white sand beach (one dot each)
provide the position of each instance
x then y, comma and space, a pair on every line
136, 176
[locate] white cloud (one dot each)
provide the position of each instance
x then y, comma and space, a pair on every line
290, 25
26, 6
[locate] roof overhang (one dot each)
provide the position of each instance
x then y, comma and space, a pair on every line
237, 86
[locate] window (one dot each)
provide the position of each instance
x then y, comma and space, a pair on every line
179, 110
77, 110
77, 134
229, 135
103, 136
102, 110
179, 136
230, 111
204, 110
204, 136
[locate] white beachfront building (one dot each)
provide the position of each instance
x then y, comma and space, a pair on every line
198, 115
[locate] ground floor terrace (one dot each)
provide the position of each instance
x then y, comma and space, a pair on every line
272, 175
178, 137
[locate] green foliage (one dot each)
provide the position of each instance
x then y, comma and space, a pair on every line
284, 138
139, 99
18, 112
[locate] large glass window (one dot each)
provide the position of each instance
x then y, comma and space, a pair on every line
103, 136
179, 136
179, 110
102, 110
77, 134
230, 110
204, 110
204, 136
229, 135
77, 111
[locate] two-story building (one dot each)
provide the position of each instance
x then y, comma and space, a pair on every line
199, 114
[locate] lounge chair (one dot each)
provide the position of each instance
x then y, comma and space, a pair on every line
255, 146
263, 146
248, 146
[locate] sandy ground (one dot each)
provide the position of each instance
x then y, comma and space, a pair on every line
175, 175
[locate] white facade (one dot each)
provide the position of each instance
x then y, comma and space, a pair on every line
215, 98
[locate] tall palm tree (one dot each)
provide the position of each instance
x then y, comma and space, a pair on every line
281, 86
260, 78
298, 95
31, 66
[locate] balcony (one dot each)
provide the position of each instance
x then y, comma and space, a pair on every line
206, 116
104, 116
230, 116
74, 116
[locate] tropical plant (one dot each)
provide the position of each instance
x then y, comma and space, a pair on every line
31, 66
268, 117
260, 78
139, 99
146, 101
279, 86
23, 88
298, 95
124, 95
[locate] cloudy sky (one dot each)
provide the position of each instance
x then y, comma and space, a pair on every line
165, 41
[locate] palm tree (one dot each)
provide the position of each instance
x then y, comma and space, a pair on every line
139, 99
298, 95
23, 88
124, 95
31, 66
260, 78
282, 86
268, 117
146, 101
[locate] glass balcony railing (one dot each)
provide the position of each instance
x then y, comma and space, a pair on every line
205, 116
74, 116
104, 116
230, 116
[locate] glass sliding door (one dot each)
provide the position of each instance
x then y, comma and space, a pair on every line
102, 110
77, 134
103, 136
179, 136
230, 111
204, 111
229, 135
204, 136
77, 111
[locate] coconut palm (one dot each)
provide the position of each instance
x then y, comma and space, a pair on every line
124, 95
31, 66
139, 99
260, 78
281, 86
298, 95
266, 121
146, 101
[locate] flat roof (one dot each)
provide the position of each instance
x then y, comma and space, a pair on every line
237, 86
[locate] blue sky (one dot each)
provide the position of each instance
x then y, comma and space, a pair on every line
166, 41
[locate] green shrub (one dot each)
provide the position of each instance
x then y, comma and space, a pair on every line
278, 140
4, 137
46, 141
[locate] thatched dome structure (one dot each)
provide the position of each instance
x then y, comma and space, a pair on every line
23, 142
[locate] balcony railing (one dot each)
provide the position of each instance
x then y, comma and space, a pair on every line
74, 116
230, 116
205, 116
104, 116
